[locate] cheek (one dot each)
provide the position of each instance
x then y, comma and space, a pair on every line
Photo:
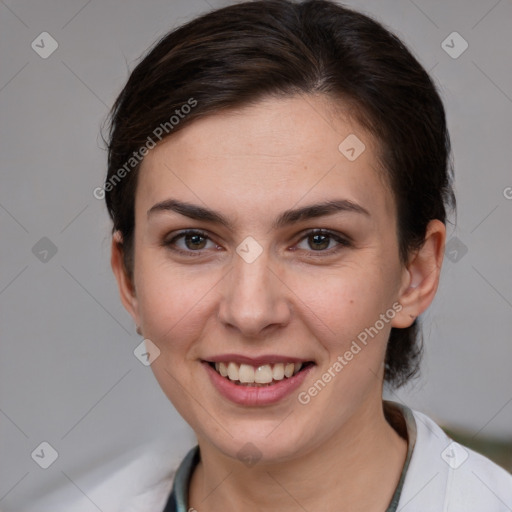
174, 302
342, 304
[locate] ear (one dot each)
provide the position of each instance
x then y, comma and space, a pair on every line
124, 283
421, 276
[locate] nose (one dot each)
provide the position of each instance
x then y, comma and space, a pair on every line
255, 300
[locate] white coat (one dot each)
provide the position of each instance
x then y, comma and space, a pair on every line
443, 476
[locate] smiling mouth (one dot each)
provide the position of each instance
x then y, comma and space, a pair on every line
258, 376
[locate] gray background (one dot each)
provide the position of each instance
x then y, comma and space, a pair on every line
68, 375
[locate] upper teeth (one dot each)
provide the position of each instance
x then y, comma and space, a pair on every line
263, 374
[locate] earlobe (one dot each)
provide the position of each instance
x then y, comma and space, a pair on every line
421, 277
124, 283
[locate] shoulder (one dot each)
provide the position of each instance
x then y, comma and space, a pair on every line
446, 476
139, 480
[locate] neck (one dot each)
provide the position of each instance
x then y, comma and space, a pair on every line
366, 454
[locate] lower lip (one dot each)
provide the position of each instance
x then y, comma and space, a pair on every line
256, 395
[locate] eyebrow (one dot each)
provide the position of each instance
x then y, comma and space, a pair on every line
288, 217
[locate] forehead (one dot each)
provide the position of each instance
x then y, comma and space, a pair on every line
274, 154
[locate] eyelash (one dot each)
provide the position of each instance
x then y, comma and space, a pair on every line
342, 242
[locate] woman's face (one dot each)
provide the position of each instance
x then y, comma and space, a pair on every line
259, 288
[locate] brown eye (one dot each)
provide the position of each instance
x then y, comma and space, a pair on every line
319, 241
189, 242
194, 241
322, 241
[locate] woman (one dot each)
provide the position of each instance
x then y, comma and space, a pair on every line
278, 182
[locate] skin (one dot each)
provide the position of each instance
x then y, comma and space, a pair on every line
295, 299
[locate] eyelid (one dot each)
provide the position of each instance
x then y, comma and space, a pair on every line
342, 240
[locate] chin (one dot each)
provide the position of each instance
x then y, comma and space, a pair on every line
262, 443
